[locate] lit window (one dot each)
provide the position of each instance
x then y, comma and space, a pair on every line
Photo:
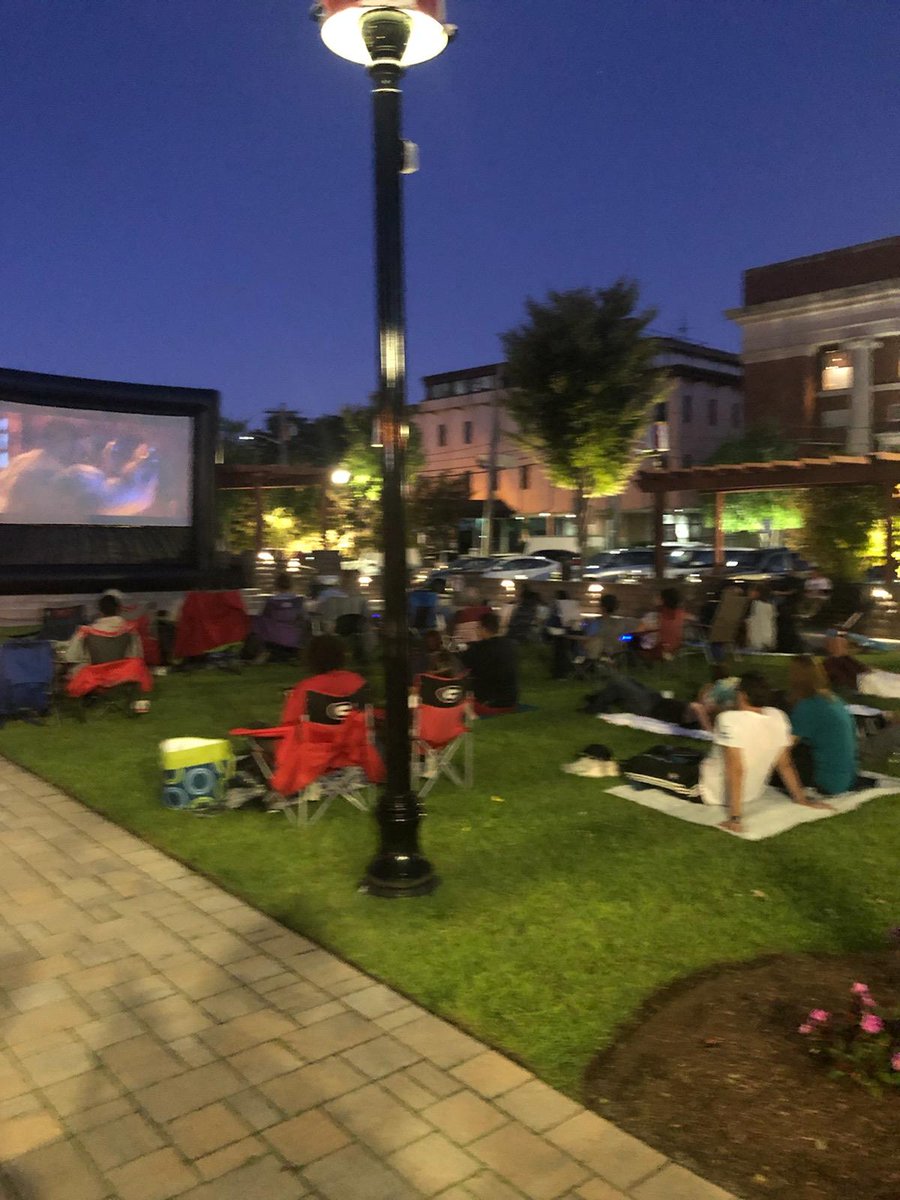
687, 405
467, 433
442, 435
525, 477
837, 371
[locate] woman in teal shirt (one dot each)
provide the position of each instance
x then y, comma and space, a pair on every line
825, 724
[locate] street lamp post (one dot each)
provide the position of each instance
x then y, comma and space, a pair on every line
386, 36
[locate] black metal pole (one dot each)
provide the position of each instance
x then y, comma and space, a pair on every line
399, 868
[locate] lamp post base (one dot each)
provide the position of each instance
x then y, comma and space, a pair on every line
399, 869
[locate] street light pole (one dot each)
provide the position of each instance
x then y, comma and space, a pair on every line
385, 37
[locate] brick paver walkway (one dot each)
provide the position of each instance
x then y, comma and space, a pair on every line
161, 1038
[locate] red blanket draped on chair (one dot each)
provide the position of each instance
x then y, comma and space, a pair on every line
111, 674
210, 621
309, 751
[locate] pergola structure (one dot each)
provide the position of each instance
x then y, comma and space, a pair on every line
255, 478
846, 471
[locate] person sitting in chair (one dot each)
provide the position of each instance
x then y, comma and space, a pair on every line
326, 657
749, 742
661, 631
493, 665
109, 621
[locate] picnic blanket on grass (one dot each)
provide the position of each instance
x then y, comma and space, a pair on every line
766, 817
652, 725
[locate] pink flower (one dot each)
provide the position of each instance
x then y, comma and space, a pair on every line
860, 989
819, 1015
895, 1062
805, 1029
868, 1001
871, 1024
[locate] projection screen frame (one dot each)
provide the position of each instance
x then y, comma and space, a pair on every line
192, 564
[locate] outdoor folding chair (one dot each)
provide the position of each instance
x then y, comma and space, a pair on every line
330, 755
60, 622
114, 677
441, 729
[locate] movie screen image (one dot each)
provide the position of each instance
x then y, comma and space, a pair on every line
79, 466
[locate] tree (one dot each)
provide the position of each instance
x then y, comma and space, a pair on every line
752, 511
436, 505
837, 523
582, 380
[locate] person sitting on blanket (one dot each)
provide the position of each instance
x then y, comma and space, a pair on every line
825, 754
493, 665
719, 695
326, 657
848, 673
630, 695
747, 744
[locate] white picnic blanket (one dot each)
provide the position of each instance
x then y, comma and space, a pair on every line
651, 725
766, 817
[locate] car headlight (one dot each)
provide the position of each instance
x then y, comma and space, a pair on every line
508, 584
880, 593
265, 556
364, 580
595, 588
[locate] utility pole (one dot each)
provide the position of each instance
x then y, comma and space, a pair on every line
493, 447
284, 430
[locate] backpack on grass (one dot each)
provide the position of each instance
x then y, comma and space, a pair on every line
670, 768
26, 678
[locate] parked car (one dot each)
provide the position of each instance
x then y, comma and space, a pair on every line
569, 561
523, 567
467, 564
771, 562
622, 565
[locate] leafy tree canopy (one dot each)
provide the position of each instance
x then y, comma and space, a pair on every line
583, 378
754, 511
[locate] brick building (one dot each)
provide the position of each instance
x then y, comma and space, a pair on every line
821, 348
462, 414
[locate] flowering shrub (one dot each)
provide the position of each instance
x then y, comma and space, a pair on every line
860, 1044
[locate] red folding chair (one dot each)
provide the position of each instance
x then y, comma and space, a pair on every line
441, 729
329, 755
113, 672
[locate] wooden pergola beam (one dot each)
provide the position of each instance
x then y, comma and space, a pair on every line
841, 471
249, 476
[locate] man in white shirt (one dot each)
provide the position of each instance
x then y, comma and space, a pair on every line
749, 742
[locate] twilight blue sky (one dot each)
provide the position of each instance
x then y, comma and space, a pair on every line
187, 198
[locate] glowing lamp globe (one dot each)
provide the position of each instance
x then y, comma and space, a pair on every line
341, 24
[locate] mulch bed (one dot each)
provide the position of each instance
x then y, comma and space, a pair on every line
714, 1074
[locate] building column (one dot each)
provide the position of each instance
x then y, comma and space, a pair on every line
859, 431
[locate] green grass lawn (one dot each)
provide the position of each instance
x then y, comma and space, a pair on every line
561, 907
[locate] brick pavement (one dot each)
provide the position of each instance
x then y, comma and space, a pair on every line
160, 1038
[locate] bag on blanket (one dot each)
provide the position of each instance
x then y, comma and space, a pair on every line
670, 768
